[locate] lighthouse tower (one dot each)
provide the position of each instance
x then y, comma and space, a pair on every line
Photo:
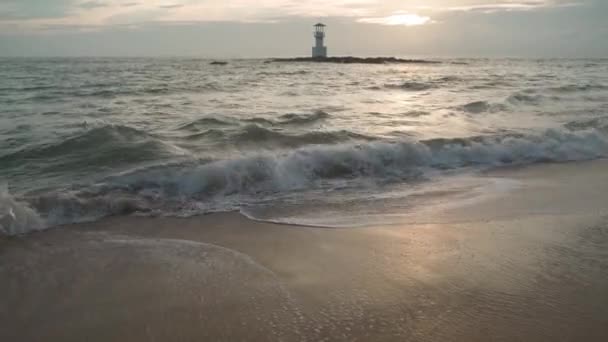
319, 50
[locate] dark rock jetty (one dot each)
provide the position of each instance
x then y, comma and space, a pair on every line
355, 60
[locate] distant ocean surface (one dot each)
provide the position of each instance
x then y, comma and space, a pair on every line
314, 144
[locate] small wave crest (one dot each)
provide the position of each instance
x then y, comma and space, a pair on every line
284, 131
285, 119
204, 123
303, 118
290, 119
423, 85
476, 107
479, 107
411, 86
600, 123
574, 88
260, 135
284, 73
530, 98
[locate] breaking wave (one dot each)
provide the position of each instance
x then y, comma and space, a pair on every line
17, 217
205, 185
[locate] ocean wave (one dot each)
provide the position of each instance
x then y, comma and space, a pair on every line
449, 79
283, 171
283, 120
525, 98
422, 85
33, 88
288, 119
491, 85
260, 135
204, 123
478, 107
600, 123
153, 89
227, 183
97, 147
284, 73
43, 97
574, 88
259, 121
115, 91
411, 86
416, 113
210, 134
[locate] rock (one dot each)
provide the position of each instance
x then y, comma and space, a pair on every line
355, 60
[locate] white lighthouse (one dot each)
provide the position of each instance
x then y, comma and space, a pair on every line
319, 50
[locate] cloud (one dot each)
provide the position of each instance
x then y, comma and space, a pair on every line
34, 9
92, 4
171, 6
398, 19
34, 15
506, 6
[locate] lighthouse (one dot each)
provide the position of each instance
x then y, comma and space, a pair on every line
319, 50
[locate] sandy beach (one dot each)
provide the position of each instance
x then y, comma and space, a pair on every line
527, 264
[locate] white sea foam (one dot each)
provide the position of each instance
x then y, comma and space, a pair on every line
17, 217
381, 161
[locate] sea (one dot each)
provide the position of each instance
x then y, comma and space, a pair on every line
329, 145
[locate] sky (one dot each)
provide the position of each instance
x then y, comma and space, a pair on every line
281, 28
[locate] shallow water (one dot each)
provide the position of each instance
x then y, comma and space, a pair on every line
85, 138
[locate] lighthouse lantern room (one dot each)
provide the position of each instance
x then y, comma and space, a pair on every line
319, 50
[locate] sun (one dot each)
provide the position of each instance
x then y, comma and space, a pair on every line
399, 19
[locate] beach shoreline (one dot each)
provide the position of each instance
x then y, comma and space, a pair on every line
525, 264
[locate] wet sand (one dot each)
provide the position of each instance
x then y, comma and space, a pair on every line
528, 264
